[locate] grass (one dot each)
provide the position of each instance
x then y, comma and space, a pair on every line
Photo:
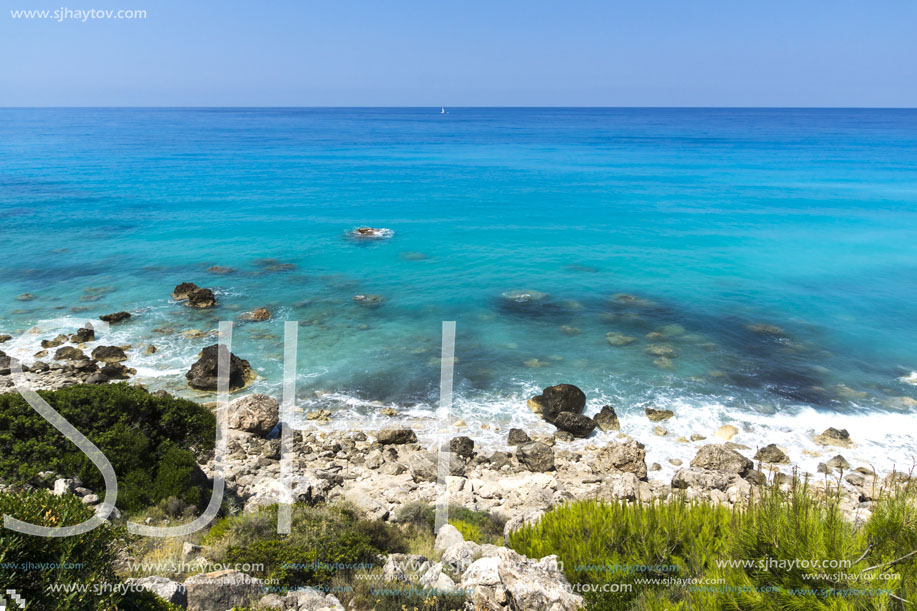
763, 555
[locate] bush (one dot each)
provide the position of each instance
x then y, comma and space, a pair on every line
477, 526
150, 441
79, 568
324, 541
754, 557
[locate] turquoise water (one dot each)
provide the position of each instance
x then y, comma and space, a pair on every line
714, 219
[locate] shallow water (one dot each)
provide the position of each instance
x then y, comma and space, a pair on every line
713, 220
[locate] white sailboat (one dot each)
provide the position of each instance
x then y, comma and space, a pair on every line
442, 110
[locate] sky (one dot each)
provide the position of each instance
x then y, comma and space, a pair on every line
462, 53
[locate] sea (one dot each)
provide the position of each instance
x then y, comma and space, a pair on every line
752, 267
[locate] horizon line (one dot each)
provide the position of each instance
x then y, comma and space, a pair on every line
394, 107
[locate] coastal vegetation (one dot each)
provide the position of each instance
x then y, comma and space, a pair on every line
785, 549
153, 442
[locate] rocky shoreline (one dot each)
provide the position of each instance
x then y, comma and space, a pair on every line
384, 470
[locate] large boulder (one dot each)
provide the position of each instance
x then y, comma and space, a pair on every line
202, 298
109, 354
559, 398
700, 479
447, 536
463, 446
629, 457
517, 437
69, 353
424, 466
257, 414
181, 292
536, 456
222, 590
576, 424
84, 334
772, 454
203, 373
835, 437
166, 589
717, 457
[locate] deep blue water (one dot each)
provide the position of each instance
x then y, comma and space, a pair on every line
714, 219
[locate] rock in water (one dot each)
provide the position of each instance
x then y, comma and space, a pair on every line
607, 419
658, 415
68, 353
576, 424
181, 292
619, 339
560, 398
86, 334
716, 457
536, 456
202, 298
109, 354
114, 318
772, 454
371, 233
835, 437
257, 414
256, 315
203, 373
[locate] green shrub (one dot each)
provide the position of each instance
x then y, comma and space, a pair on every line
78, 568
324, 541
150, 441
477, 526
755, 557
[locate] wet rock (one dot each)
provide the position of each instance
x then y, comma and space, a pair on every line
68, 353
838, 463
536, 456
619, 339
150, 349
716, 457
371, 233
183, 290
660, 431
563, 436
726, 432
835, 437
396, 436
577, 425
115, 318
257, 414
86, 334
5, 338
517, 437
166, 589
116, 371
772, 454
109, 354
54, 343
607, 419
462, 446
256, 315
559, 398
658, 415
629, 457
203, 373
202, 298
222, 590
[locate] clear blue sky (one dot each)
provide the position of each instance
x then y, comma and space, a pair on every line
465, 53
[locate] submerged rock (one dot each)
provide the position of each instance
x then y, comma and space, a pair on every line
524, 296
765, 329
663, 350
619, 339
219, 269
203, 373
